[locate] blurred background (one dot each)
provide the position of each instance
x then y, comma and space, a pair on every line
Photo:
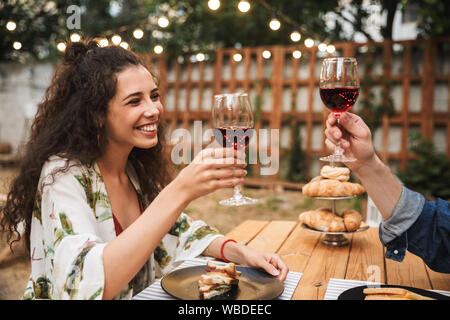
272, 49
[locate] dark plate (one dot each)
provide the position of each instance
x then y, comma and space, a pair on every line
356, 293
253, 285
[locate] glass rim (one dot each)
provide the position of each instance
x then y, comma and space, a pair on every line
234, 94
340, 59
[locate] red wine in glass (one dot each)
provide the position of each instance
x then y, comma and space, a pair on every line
339, 100
238, 138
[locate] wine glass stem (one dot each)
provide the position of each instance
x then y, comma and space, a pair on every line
237, 192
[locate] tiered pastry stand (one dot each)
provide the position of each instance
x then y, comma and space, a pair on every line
337, 239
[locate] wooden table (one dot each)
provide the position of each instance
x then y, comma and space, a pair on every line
363, 259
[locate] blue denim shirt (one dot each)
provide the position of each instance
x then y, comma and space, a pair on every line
421, 227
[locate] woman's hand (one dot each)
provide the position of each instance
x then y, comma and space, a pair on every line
269, 262
212, 169
356, 142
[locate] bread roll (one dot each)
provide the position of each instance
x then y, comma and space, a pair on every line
322, 220
335, 173
352, 220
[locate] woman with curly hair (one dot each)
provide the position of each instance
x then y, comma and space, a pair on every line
102, 215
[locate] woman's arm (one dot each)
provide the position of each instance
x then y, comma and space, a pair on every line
126, 254
234, 252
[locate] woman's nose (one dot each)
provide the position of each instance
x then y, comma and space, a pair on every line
151, 110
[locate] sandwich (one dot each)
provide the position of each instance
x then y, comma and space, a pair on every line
218, 280
392, 294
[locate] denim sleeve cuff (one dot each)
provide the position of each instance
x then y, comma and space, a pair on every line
406, 212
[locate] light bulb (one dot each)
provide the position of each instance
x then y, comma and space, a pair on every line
297, 54
116, 39
200, 57
17, 45
11, 25
274, 24
244, 6
214, 4
124, 45
266, 54
296, 36
61, 47
158, 49
163, 22
75, 37
103, 42
331, 49
309, 43
237, 57
138, 33
322, 47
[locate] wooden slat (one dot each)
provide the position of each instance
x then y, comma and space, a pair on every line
366, 261
272, 236
247, 230
298, 248
326, 262
410, 272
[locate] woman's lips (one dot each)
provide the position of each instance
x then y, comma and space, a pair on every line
148, 130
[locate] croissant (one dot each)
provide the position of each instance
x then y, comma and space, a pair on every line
320, 187
352, 220
325, 220
322, 220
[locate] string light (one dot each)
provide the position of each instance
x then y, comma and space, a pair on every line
163, 22
200, 57
61, 46
237, 57
11, 25
138, 33
274, 24
214, 4
309, 43
322, 47
244, 6
331, 49
103, 42
116, 39
158, 49
297, 54
296, 36
266, 54
124, 45
75, 37
17, 45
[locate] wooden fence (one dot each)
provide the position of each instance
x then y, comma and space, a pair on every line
285, 93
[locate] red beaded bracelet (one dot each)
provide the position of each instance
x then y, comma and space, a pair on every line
221, 249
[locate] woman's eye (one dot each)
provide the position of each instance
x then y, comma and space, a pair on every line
134, 101
155, 96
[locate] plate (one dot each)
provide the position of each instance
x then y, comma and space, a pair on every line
253, 285
356, 293
362, 227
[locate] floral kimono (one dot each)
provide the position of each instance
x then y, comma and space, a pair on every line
72, 223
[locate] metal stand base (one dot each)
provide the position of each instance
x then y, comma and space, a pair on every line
337, 240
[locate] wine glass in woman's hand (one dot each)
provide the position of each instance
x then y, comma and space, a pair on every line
232, 120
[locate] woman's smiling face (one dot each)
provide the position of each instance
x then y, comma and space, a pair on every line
135, 110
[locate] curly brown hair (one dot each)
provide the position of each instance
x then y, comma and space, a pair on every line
70, 123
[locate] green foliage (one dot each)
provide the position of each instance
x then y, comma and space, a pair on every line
429, 174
